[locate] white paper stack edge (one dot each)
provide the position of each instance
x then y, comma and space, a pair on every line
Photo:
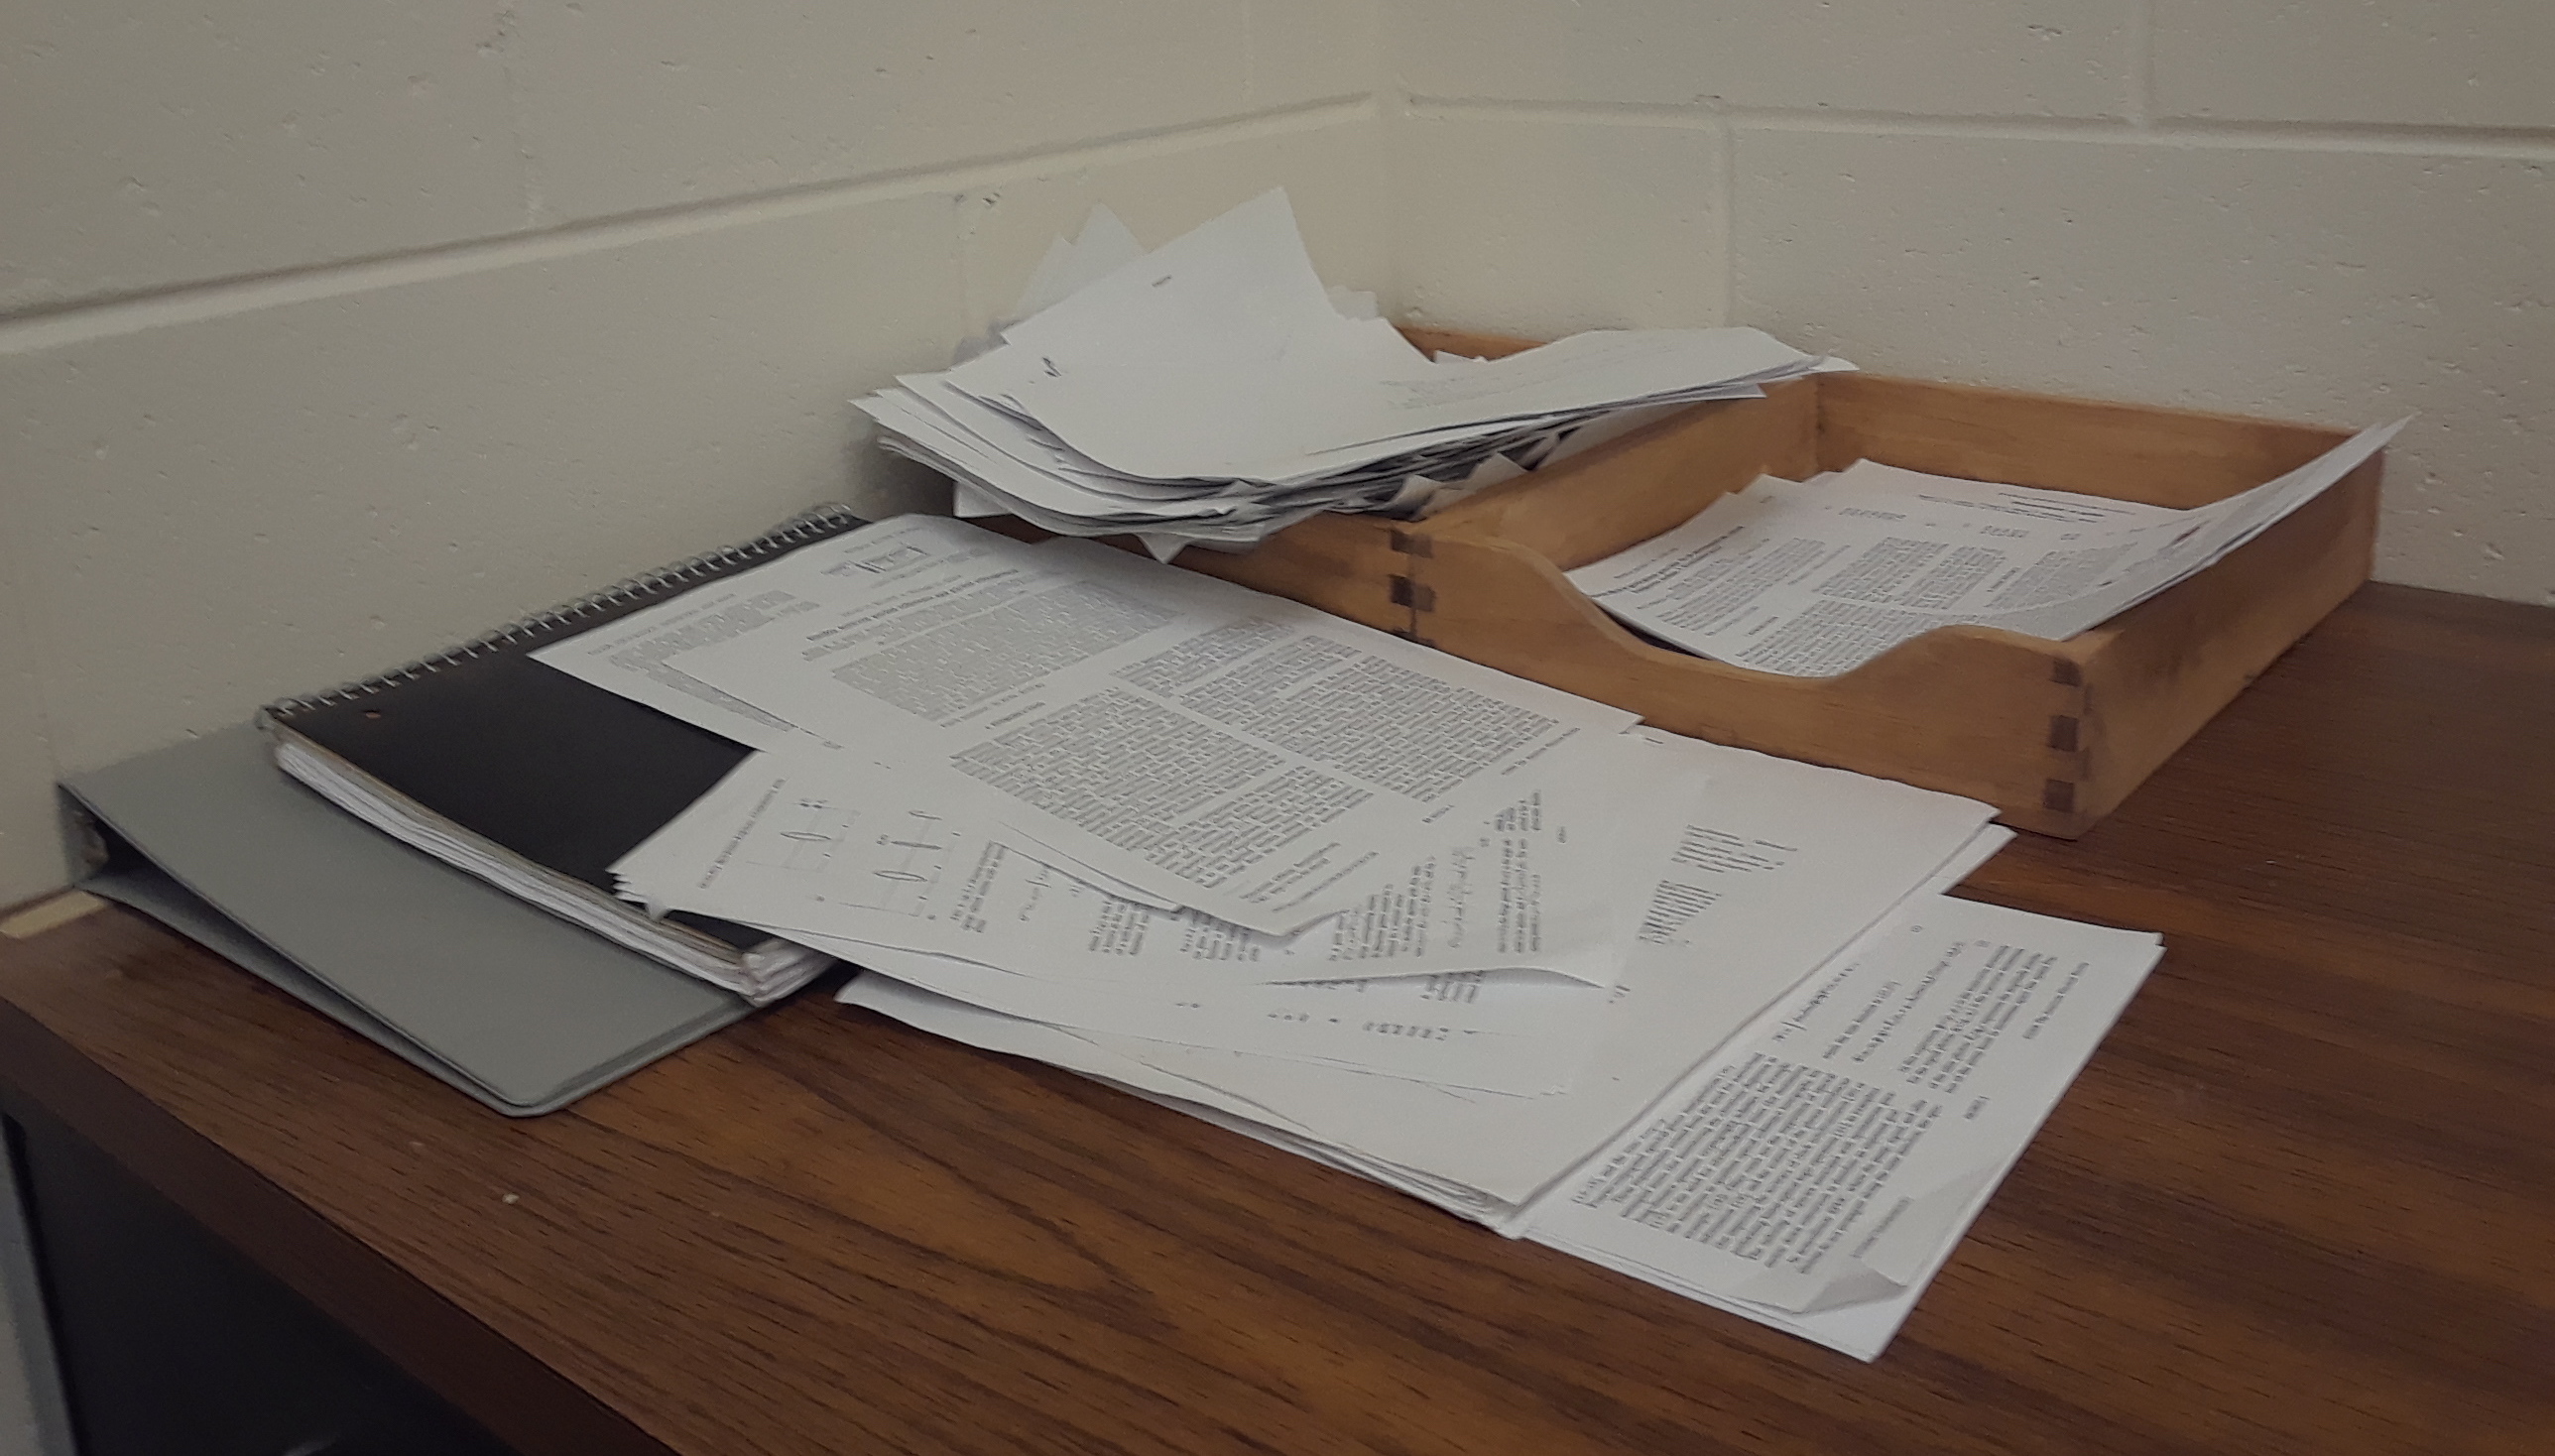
1213, 391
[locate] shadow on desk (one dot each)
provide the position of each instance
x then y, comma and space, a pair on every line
167, 1341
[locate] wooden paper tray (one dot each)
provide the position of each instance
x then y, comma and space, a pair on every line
2055, 734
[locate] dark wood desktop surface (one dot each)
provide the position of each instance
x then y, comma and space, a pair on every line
2302, 1199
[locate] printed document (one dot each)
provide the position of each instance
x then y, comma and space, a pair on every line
1499, 1031
1780, 866
861, 852
1832, 1156
1817, 578
1236, 753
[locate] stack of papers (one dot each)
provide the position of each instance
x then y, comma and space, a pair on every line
1195, 742
1812, 1073
1213, 391
1700, 1015
1483, 964
1817, 577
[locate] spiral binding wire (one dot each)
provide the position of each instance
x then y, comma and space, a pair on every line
823, 521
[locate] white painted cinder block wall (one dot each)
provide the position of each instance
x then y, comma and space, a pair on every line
2335, 210
331, 335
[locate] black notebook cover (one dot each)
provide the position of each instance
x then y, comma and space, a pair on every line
554, 769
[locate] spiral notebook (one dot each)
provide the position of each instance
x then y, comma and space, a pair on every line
537, 781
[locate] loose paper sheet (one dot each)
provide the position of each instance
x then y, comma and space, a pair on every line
859, 853
1978, 508
1782, 866
1830, 1157
1253, 758
1498, 1031
1801, 580
1067, 267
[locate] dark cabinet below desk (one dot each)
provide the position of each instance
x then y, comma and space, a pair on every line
170, 1342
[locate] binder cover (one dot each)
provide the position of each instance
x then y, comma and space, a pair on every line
505, 1002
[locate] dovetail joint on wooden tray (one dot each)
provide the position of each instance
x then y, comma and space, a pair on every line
1418, 597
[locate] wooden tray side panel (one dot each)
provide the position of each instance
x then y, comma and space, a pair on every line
2158, 673
1632, 489
1965, 710
2130, 452
1344, 565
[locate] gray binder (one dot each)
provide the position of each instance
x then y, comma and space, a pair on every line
517, 1008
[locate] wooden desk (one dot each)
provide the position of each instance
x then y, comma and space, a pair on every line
2303, 1201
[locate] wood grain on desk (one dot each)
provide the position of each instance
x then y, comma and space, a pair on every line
2303, 1199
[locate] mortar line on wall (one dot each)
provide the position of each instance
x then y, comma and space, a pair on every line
535, 206
2392, 138
1392, 96
1729, 222
2525, 143
1639, 113
2142, 63
965, 208
51, 325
